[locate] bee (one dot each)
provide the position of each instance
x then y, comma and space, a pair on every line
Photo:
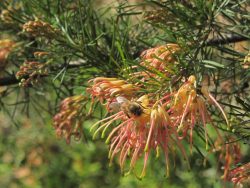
130, 108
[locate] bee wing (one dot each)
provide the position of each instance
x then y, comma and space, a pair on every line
121, 99
115, 107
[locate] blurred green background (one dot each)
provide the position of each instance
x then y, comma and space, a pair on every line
32, 156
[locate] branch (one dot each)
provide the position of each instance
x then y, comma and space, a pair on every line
10, 80
226, 40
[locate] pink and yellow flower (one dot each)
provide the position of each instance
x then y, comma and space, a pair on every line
240, 176
138, 135
107, 88
230, 154
6, 46
68, 122
189, 108
31, 71
161, 58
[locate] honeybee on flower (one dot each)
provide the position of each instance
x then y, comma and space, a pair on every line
126, 110
128, 139
144, 126
132, 108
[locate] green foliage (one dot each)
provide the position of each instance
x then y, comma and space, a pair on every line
88, 40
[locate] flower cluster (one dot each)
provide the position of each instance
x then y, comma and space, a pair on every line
147, 124
229, 150
161, 60
230, 154
140, 124
40, 28
30, 72
7, 15
240, 175
156, 16
40, 54
160, 16
107, 88
68, 122
144, 127
5, 48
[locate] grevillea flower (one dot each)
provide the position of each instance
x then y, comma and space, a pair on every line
40, 28
31, 72
159, 62
5, 48
230, 154
68, 122
40, 54
156, 16
146, 126
128, 139
189, 108
161, 58
142, 129
107, 88
240, 176
6, 15
162, 135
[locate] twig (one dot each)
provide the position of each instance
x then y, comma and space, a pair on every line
11, 80
226, 40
